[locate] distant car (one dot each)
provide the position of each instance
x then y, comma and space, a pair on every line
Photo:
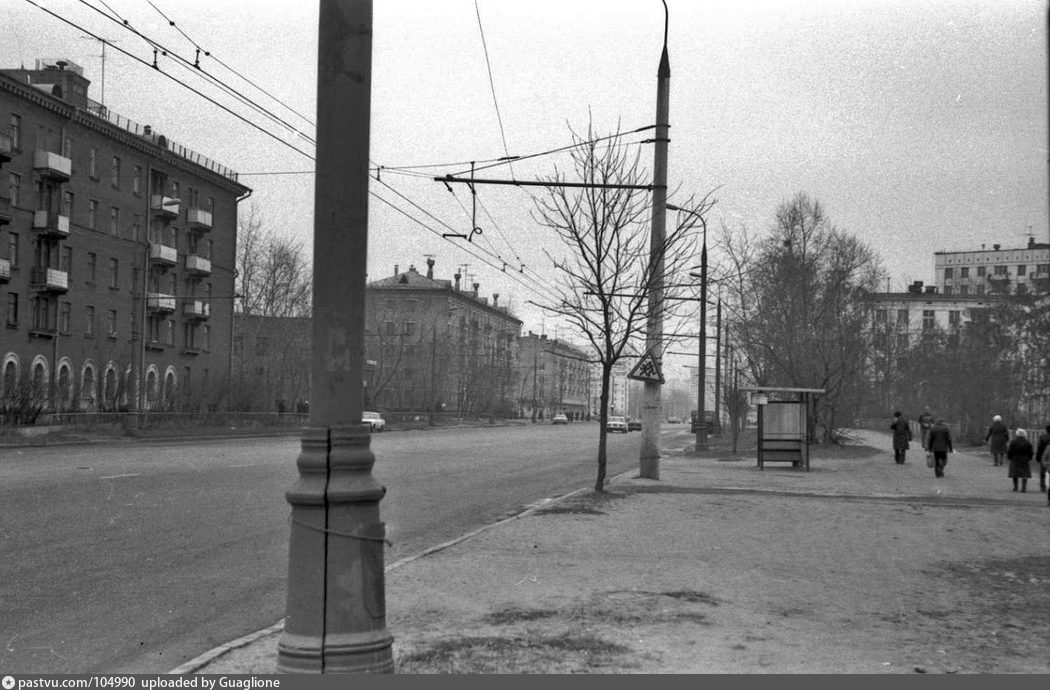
674, 420
559, 419
634, 425
616, 424
374, 420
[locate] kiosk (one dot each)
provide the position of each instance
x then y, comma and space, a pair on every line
783, 423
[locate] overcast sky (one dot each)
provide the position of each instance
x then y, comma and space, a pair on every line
921, 125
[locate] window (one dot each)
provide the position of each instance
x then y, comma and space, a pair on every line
111, 323
410, 328
64, 317
902, 341
211, 205
902, 318
114, 221
92, 214
67, 205
189, 335
1000, 270
136, 181
1042, 269
93, 163
169, 332
89, 322
12, 309
964, 272
388, 327
114, 175
964, 289
16, 132
136, 228
981, 271
65, 262
14, 183
947, 289
114, 273
949, 273
12, 249
928, 320
92, 263
980, 289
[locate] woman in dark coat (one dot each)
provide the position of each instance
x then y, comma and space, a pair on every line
1019, 453
901, 436
939, 442
999, 437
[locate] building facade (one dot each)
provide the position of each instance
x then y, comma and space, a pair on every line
117, 254
993, 271
434, 345
552, 376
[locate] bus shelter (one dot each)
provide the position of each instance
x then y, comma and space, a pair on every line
783, 423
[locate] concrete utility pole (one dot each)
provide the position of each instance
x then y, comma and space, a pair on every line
649, 455
336, 609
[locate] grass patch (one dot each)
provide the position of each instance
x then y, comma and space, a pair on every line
563, 653
511, 615
693, 596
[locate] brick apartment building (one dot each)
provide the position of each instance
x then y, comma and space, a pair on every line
436, 345
552, 376
117, 254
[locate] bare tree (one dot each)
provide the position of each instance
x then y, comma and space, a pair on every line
802, 315
607, 272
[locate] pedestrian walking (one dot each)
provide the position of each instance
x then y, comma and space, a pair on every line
1042, 456
1019, 453
901, 437
939, 442
925, 422
998, 437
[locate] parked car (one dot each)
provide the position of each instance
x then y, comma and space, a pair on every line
634, 425
616, 424
374, 420
674, 420
559, 419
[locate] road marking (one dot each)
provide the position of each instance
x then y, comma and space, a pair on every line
118, 476
251, 464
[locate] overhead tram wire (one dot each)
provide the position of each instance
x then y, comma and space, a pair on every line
492, 85
196, 69
232, 70
177, 81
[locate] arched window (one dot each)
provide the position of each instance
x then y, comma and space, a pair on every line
109, 388
87, 386
169, 389
39, 380
65, 384
151, 388
10, 378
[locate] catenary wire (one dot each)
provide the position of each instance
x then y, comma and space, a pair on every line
492, 85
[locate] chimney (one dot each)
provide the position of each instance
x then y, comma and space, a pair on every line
931, 289
430, 268
476, 286
495, 299
457, 277
61, 64
996, 247
397, 269
1031, 242
915, 288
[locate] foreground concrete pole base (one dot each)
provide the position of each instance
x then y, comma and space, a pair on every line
336, 615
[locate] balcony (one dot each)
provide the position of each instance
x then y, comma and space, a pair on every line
5, 270
164, 206
198, 218
198, 265
50, 224
49, 279
196, 309
163, 254
6, 148
52, 165
159, 302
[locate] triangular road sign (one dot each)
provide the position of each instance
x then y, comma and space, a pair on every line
646, 369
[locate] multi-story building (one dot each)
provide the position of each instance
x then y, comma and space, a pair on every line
434, 346
552, 376
993, 271
117, 254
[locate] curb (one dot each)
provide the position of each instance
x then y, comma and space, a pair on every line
197, 663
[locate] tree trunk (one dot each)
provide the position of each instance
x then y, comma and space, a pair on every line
603, 418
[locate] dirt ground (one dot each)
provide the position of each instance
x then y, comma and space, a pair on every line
860, 566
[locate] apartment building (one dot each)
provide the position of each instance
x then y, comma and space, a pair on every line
437, 345
117, 254
552, 376
994, 271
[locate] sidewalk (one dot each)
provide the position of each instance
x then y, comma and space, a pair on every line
858, 566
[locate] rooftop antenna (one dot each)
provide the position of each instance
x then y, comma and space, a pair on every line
104, 41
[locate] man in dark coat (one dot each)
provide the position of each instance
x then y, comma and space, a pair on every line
1019, 453
939, 442
1042, 456
925, 422
998, 437
901, 436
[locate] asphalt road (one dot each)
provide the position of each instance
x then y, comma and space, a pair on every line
138, 557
